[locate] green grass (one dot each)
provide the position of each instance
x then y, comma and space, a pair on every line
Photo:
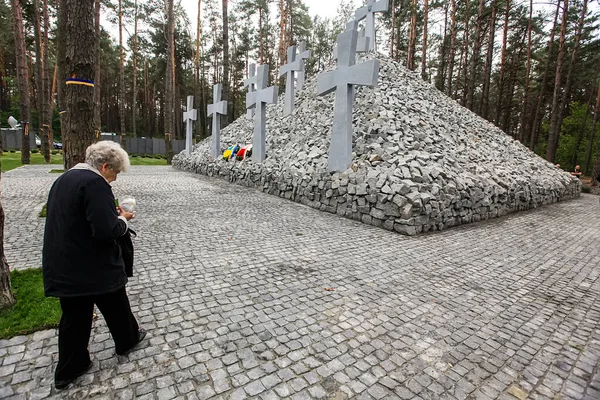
56, 171
43, 211
147, 161
13, 160
32, 310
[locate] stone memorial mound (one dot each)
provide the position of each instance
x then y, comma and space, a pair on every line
421, 161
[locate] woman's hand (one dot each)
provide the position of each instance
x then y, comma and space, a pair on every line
128, 215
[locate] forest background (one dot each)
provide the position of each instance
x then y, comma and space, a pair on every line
531, 68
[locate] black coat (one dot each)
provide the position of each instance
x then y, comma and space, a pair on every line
80, 255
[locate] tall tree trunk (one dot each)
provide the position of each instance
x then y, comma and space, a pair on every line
22, 79
197, 80
575, 155
169, 83
424, 52
523, 124
564, 103
121, 72
554, 129
412, 37
61, 67
260, 35
97, 108
393, 30
487, 73
452, 50
475, 57
79, 99
465, 61
7, 298
281, 53
596, 170
502, 64
226, 79
542, 95
134, 84
39, 81
48, 98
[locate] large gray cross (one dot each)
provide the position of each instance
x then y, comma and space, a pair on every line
251, 84
188, 116
362, 45
292, 66
343, 81
264, 95
216, 110
368, 11
303, 54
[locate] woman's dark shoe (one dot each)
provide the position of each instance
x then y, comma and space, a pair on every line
141, 335
66, 382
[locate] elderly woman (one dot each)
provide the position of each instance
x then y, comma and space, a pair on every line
81, 261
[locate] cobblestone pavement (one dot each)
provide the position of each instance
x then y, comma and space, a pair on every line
231, 285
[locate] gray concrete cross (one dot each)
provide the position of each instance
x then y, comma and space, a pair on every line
251, 84
368, 11
303, 54
292, 66
362, 45
342, 81
188, 116
216, 110
259, 99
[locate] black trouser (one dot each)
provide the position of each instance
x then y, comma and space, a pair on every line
76, 325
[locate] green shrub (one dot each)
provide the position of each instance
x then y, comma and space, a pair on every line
13, 151
54, 152
35, 151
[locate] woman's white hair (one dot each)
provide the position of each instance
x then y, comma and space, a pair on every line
109, 152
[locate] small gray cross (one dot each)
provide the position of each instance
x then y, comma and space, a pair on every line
216, 110
251, 84
292, 66
188, 116
264, 95
342, 81
368, 11
362, 45
303, 54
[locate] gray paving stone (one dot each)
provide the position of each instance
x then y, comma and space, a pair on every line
468, 311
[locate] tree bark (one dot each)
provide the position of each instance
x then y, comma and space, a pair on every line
226, 80
22, 79
80, 59
474, 57
452, 50
134, 84
39, 81
582, 130
465, 61
61, 68
121, 72
393, 30
424, 52
97, 108
596, 170
485, 96
554, 129
169, 84
412, 37
7, 298
542, 95
564, 103
522, 125
502, 65
48, 98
